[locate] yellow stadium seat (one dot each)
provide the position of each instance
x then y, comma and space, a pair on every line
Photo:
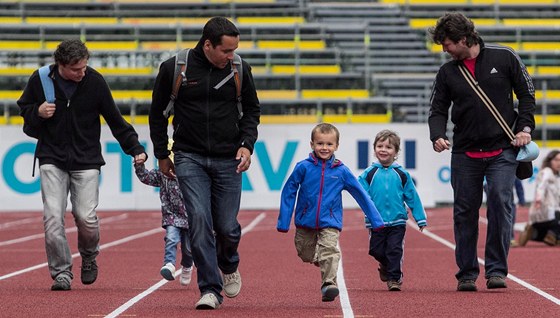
166, 21
270, 20
101, 45
423, 23
289, 119
11, 20
306, 69
276, 94
552, 93
531, 22
10, 94
132, 94
291, 45
20, 45
371, 118
547, 70
70, 20
334, 93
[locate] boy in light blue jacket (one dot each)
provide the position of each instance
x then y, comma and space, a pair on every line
390, 188
317, 183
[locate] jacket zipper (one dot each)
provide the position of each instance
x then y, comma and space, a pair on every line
320, 193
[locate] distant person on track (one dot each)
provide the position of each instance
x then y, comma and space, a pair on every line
174, 221
317, 183
481, 148
544, 212
392, 190
213, 144
69, 153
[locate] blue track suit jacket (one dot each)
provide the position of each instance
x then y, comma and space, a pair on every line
390, 195
318, 185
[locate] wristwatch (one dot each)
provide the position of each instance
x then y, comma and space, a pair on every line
527, 129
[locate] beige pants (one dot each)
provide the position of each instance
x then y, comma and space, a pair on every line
320, 248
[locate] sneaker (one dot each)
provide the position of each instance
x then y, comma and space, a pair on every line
550, 238
208, 301
89, 271
496, 282
466, 285
61, 282
186, 274
329, 292
382, 274
168, 271
394, 285
232, 284
525, 236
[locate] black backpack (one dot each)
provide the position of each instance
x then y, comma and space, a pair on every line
180, 76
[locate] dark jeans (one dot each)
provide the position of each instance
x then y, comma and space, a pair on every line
212, 192
467, 176
387, 247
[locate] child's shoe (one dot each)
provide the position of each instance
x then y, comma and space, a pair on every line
394, 285
186, 274
382, 273
329, 292
168, 271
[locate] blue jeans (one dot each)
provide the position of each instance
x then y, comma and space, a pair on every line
83, 187
212, 192
467, 176
174, 235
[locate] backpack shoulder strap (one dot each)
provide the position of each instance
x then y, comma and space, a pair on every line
238, 76
179, 77
47, 82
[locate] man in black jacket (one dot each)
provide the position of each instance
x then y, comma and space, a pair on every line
69, 153
213, 143
481, 148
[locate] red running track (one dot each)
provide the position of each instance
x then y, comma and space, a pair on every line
275, 282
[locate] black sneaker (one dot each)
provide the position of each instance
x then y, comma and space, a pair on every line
61, 282
382, 273
466, 285
496, 282
394, 285
89, 271
329, 293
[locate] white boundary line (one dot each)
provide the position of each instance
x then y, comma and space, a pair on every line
68, 230
104, 246
19, 222
347, 311
137, 298
481, 262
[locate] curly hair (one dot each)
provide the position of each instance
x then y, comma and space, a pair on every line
454, 26
70, 52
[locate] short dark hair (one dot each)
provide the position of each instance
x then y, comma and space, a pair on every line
454, 26
325, 128
217, 27
70, 52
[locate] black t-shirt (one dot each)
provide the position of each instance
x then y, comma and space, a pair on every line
69, 87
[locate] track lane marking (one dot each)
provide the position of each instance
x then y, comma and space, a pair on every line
68, 230
481, 262
347, 311
75, 255
20, 222
137, 298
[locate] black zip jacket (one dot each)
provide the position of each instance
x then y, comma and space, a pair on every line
206, 120
71, 138
499, 71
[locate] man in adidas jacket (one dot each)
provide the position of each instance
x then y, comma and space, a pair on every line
481, 148
212, 146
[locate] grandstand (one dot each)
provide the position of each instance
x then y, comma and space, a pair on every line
313, 60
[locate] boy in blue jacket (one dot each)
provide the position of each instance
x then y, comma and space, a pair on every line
390, 187
317, 182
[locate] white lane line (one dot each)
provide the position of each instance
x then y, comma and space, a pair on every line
20, 222
137, 298
68, 230
481, 262
104, 246
347, 311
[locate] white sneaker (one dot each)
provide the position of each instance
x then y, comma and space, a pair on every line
168, 271
208, 301
186, 274
232, 284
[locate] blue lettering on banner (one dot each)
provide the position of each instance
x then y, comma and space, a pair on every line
126, 165
8, 168
410, 154
363, 154
274, 178
444, 174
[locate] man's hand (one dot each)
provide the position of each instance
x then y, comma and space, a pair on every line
521, 139
167, 167
46, 110
441, 145
244, 155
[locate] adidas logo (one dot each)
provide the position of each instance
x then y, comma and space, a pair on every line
493, 71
